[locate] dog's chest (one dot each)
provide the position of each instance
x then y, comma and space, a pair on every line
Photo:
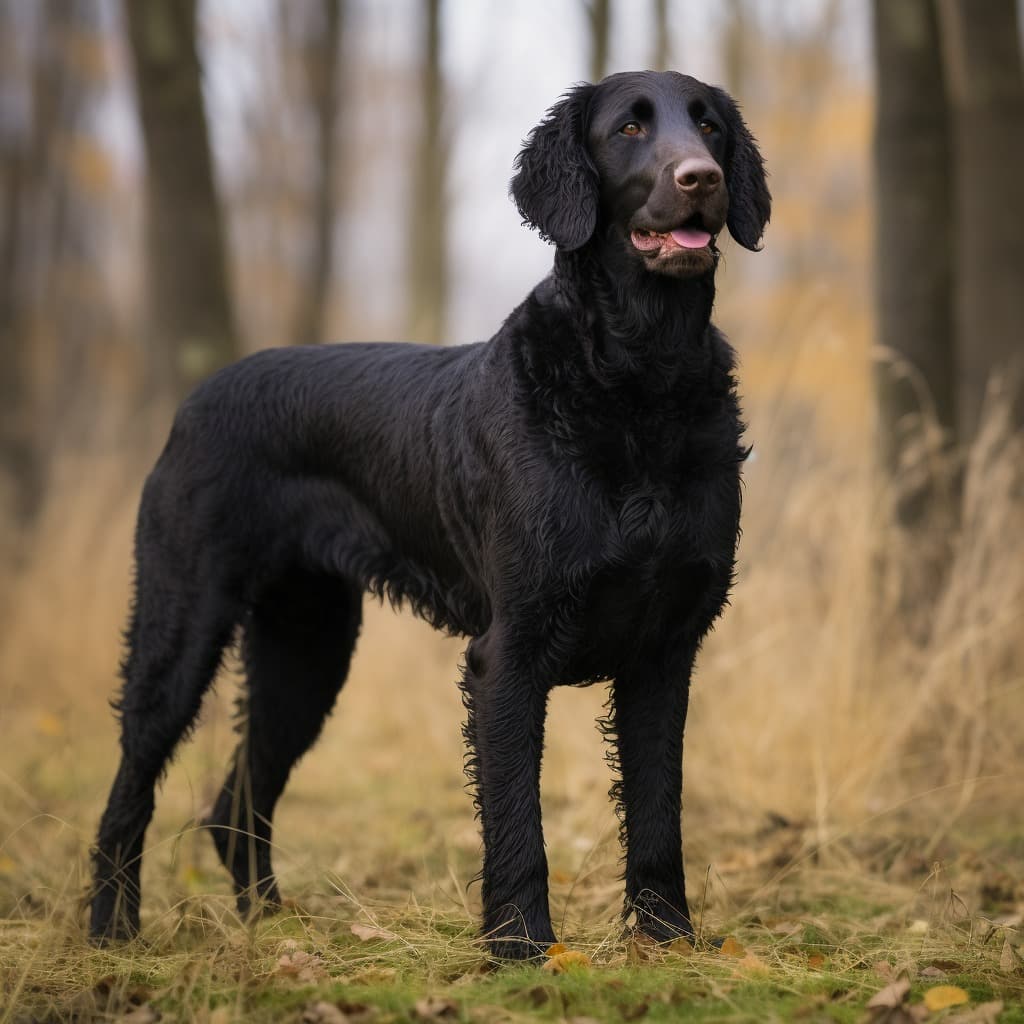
660, 573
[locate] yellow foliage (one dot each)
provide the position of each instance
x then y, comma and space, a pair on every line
941, 996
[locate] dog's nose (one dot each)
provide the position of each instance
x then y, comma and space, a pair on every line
697, 175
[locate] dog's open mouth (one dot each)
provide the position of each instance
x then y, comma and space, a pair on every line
689, 235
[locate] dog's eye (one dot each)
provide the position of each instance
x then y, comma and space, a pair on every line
631, 128
707, 127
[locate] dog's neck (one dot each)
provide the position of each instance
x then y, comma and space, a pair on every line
632, 327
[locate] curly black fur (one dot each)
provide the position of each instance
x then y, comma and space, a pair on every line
566, 494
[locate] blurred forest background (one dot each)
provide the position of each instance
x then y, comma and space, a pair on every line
182, 183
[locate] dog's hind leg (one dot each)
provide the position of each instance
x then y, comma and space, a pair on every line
298, 643
175, 641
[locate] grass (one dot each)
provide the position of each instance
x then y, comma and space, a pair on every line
852, 806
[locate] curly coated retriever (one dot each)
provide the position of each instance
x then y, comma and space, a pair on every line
566, 495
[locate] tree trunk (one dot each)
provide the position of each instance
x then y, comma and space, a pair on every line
191, 325
986, 86
599, 17
915, 375
661, 50
34, 250
914, 379
428, 277
322, 62
735, 45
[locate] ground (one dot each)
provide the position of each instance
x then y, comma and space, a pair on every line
377, 850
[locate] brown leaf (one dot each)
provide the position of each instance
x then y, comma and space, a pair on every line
487, 1013
358, 1013
752, 964
949, 966
730, 947
983, 1013
636, 1011
892, 995
321, 1012
641, 949
368, 932
941, 997
435, 1008
786, 928
144, 1014
889, 1006
1009, 961
540, 995
305, 968
884, 970
815, 961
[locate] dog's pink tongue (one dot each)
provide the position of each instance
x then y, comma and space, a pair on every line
691, 238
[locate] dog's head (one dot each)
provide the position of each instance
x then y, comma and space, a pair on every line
656, 161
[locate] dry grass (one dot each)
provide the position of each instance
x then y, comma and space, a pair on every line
845, 799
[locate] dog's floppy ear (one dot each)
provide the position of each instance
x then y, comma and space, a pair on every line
555, 185
750, 202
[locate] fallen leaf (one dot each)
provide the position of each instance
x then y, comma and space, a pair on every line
488, 1013
983, 1013
943, 996
570, 960
680, 946
305, 968
435, 1008
358, 1013
786, 928
1009, 961
730, 947
752, 964
144, 1014
636, 953
815, 961
367, 933
540, 995
890, 1006
891, 996
949, 966
636, 1011
322, 1012
222, 1014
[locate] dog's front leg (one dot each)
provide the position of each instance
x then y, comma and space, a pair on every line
506, 705
649, 713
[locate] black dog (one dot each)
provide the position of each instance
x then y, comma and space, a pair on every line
566, 494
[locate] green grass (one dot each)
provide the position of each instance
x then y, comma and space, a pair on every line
814, 944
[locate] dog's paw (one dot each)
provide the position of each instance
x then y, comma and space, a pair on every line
112, 932
518, 949
255, 907
662, 923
